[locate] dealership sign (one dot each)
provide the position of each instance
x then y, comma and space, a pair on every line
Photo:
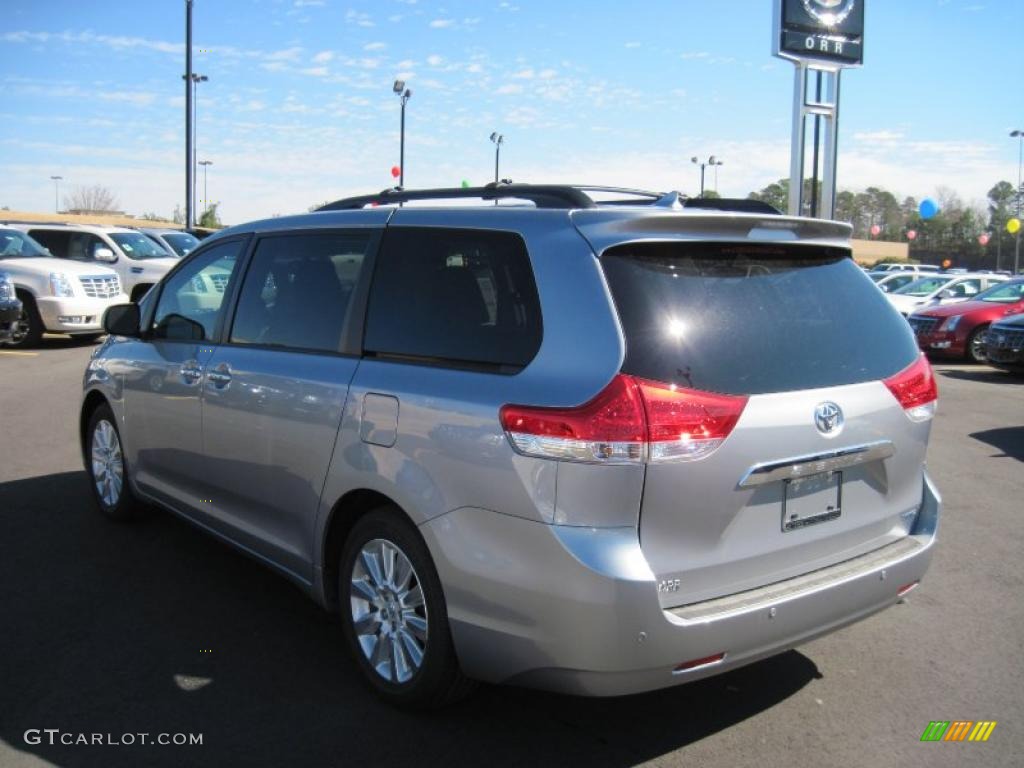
823, 31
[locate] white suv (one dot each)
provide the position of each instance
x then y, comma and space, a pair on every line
57, 295
138, 261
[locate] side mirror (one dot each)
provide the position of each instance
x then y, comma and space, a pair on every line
104, 254
122, 320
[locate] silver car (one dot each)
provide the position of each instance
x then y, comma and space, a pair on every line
597, 449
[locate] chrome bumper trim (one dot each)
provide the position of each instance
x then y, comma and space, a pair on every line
814, 464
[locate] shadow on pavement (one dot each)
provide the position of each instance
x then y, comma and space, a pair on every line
106, 628
1009, 440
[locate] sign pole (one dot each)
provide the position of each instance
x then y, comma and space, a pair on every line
796, 152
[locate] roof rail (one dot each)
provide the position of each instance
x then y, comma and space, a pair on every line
734, 204
541, 195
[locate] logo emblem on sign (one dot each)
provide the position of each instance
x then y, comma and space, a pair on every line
829, 12
828, 418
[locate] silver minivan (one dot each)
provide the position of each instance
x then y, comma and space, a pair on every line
593, 448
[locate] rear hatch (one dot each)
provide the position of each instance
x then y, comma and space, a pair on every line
810, 455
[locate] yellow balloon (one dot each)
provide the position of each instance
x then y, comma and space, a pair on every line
1013, 226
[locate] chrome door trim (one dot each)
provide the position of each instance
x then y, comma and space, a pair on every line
814, 464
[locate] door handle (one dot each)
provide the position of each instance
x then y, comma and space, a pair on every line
220, 376
191, 372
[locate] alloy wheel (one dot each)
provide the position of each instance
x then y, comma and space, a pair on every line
107, 463
389, 613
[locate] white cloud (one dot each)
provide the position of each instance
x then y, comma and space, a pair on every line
137, 98
309, 3
509, 89
434, 60
442, 23
358, 18
523, 74
323, 57
375, 46
315, 71
695, 55
285, 54
632, 44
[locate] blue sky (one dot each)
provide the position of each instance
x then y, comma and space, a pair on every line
299, 107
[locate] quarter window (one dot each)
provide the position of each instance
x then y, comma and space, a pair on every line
191, 299
449, 295
298, 290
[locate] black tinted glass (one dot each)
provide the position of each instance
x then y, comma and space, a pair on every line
749, 320
454, 295
191, 298
298, 290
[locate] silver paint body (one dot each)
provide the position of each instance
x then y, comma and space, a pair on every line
550, 569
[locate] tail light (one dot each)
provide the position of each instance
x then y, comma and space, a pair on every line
631, 420
915, 389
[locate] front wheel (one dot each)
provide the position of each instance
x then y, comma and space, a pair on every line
394, 616
976, 345
106, 465
28, 328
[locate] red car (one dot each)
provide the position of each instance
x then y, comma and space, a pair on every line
958, 330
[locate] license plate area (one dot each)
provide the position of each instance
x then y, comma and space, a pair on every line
811, 500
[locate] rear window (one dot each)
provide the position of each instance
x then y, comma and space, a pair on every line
452, 296
750, 320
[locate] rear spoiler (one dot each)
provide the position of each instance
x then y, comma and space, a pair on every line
605, 229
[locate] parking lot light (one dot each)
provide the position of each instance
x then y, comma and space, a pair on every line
404, 94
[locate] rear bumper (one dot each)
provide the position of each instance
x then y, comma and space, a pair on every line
75, 314
576, 609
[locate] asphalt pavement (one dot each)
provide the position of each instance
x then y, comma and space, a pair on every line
154, 627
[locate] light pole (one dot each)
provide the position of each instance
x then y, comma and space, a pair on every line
712, 161
404, 94
56, 193
187, 77
1019, 135
205, 164
195, 80
498, 140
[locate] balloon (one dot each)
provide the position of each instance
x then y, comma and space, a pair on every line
396, 171
875, 230
912, 234
1013, 226
947, 263
465, 184
983, 239
928, 208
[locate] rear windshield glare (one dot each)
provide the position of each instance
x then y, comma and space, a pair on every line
748, 319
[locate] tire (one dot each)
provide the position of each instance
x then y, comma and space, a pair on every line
28, 330
386, 625
106, 467
974, 350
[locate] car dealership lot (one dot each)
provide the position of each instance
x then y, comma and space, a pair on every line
156, 628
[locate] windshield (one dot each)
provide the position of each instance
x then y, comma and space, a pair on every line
1006, 293
137, 246
926, 286
18, 245
181, 242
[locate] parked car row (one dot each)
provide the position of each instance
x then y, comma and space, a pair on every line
962, 329
941, 289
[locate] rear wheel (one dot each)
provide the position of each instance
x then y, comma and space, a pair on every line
108, 471
28, 329
975, 351
394, 616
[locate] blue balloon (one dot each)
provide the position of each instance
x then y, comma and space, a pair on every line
928, 208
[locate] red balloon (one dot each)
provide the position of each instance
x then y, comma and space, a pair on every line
983, 239
396, 171
875, 230
912, 234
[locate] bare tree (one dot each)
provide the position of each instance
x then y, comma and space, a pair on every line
95, 199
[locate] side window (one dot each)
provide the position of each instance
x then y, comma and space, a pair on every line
55, 242
191, 299
967, 287
82, 246
298, 290
454, 295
